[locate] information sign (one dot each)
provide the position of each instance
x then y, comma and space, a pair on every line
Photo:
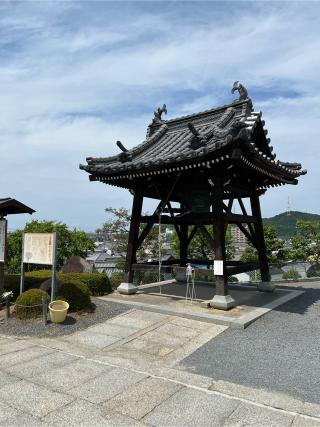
38, 248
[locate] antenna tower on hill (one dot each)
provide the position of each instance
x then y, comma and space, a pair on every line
288, 207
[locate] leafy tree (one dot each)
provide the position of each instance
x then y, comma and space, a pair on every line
116, 228
306, 242
199, 248
70, 242
274, 248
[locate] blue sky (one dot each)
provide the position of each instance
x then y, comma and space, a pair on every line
77, 76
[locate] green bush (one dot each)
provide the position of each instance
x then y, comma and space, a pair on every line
98, 283
116, 279
314, 271
77, 294
291, 275
29, 303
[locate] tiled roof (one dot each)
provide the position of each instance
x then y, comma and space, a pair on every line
196, 140
9, 206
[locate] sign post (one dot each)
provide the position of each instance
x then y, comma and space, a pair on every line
40, 248
3, 250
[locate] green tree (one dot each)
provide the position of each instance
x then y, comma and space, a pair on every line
116, 228
70, 242
199, 247
306, 242
274, 248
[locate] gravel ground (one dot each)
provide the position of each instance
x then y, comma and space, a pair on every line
279, 352
74, 322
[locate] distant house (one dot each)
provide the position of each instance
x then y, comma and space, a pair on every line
104, 260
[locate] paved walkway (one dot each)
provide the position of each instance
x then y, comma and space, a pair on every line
279, 353
125, 372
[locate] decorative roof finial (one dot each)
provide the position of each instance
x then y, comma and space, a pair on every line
241, 89
121, 146
158, 113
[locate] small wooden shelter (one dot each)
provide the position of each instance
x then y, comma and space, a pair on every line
8, 206
206, 162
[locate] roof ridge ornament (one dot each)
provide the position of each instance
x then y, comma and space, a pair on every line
242, 92
124, 156
197, 140
157, 114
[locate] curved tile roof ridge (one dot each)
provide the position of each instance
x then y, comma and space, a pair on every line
210, 110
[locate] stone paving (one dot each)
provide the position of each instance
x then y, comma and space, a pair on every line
126, 372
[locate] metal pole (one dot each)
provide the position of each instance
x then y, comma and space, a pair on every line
7, 308
54, 267
22, 268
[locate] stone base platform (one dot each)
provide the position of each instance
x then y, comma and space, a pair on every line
169, 297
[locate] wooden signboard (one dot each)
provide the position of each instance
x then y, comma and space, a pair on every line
39, 248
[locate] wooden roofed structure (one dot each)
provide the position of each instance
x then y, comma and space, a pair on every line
9, 206
205, 162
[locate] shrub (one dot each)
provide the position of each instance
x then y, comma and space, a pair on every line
314, 271
12, 283
116, 279
98, 283
77, 294
291, 275
29, 303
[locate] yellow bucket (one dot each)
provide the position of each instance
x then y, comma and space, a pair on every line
58, 311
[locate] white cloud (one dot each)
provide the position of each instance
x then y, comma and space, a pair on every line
75, 77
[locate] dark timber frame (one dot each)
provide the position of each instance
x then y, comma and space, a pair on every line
206, 162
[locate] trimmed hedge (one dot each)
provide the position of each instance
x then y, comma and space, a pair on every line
77, 294
29, 303
98, 283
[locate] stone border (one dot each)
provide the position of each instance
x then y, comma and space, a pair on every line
235, 322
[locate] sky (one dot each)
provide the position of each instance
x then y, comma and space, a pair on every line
75, 77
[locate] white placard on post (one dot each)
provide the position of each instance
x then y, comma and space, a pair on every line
38, 248
3, 237
218, 268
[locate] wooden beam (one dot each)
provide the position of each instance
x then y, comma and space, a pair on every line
192, 234
207, 236
261, 246
242, 268
243, 209
194, 218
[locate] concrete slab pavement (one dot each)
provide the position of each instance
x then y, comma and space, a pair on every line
81, 384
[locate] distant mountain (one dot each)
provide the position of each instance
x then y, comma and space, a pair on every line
285, 224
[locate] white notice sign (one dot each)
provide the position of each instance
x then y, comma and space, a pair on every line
3, 228
218, 268
38, 248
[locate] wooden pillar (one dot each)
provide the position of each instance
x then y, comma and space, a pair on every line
222, 299
1, 277
131, 257
127, 286
3, 251
261, 246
